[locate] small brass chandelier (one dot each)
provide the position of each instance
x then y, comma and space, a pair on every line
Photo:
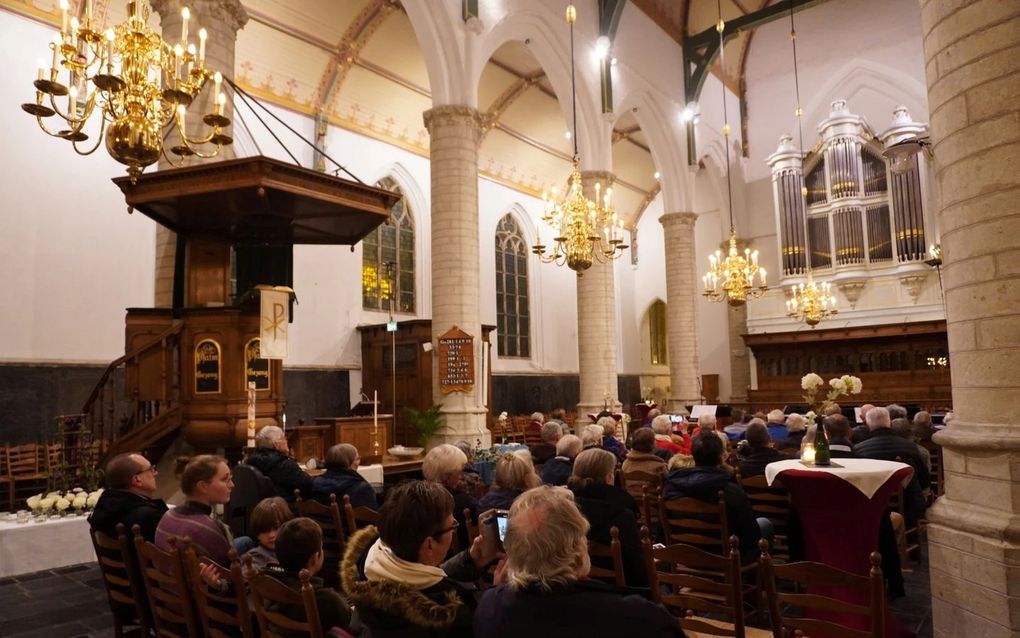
587, 231
139, 83
809, 302
732, 278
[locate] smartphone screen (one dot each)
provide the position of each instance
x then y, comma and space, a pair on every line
501, 520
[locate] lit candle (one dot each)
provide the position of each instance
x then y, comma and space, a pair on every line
375, 410
109, 50
88, 13
191, 58
74, 31
42, 69
221, 99
202, 35
63, 17
763, 280
57, 41
72, 101
178, 52
217, 79
185, 16
808, 453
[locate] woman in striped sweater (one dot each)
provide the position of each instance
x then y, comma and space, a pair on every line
206, 482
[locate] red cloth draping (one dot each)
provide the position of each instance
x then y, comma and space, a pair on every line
841, 529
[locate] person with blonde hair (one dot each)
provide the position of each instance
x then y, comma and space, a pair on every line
591, 436
606, 506
444, 464
662, 426
512, 476
679, 461
544, 590
796, 428
609, 440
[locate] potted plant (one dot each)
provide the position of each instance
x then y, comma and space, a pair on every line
426, 422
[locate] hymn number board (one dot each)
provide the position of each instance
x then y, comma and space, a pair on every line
456, 361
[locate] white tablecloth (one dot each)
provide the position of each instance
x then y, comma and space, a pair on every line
32, 547
867, 475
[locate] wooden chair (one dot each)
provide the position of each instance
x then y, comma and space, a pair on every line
694, 522
771, 502
333, 539
223, 615
611, 555
358, 517
168, 589
813, 575
646, 488
914, 536
687, 581
266, 589
937, 476
6, 481
26, 464
124, 590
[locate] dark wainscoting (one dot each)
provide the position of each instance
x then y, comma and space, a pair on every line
31, 396
527, 393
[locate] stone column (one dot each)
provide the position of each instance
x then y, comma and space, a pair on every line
681, 310
454, 136
221, 19
596, 324
972, 61
740, 363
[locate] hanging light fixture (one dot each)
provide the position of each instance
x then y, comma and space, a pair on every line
809, 302
731, 278
138, 83
587, 231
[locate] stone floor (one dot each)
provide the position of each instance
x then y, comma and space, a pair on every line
71, 603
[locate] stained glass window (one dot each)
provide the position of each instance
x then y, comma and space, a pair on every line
387, 267
513, 316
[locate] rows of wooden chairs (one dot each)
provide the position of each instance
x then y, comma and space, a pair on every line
25, 470
162, 593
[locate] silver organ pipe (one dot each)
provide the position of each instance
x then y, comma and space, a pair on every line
791, 217
849, 236
909, 216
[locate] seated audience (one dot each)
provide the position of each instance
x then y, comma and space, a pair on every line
837, 429
922, 427
708, 423
861, 432
896, 411
444, 464
795, 430
472, 478
299, 546
534, 427
641, 457
679, 461
127, 499
206, 483
756, 451
654, 412
591, 436
546, 593
271, 458
606, 506
557, 470
832, 409
902, 428
341, 478
559, 417
395, 575
705, 480
551, 433
661, 426
883, 444
777, 425
609, 440
512, 476
735, 431
266, 519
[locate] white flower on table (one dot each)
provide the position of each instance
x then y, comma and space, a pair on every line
47, 503
33, 502
62, 504
93, 498
855, 385
839, 385
80, 501
811, 381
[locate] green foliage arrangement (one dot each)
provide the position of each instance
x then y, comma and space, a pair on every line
426, 422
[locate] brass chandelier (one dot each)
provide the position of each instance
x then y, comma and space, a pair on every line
139, 83
808, 302
587, 231
732, 278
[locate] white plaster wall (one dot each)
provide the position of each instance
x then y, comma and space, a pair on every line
72, 258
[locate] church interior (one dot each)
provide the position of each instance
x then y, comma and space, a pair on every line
404, 225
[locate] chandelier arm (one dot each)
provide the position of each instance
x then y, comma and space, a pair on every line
99, 140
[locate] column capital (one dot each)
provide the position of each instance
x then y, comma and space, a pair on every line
682, 219
451, 114
229, 12
606, 177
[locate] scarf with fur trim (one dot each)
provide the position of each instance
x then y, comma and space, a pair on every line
382, 564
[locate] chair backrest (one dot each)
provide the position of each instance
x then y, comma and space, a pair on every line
824, 610
333, 538
767, 501
688, 580
124, 590
697, 523
250, 487
358, 517
270, 593
607, 560
24, 460
169, 592
646, 488
937, 477
54, 453
226, 614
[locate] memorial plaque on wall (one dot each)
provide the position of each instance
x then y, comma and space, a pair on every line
256, 369
456, 361
207, 367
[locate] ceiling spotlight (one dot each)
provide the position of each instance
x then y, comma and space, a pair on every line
602, 47
690, 113
567, 135
656, 174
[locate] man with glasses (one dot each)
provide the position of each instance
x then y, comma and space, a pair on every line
130, 482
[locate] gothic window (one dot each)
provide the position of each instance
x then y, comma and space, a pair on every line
387, 268
513, 317
657, 333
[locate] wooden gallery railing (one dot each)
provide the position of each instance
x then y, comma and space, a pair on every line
136, 408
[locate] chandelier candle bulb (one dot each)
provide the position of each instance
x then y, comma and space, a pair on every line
202, 35
41, 70
63, 17
185, 16
88, 13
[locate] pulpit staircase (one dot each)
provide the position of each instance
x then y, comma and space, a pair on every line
116, 413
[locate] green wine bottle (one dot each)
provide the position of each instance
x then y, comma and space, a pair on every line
821, 447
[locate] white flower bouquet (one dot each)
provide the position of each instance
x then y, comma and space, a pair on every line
77, 498
811, 383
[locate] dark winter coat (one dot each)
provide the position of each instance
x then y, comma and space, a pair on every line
607, 506
886, 445
581, 608
123, 506
557, 470
284, 472
394, 610
752, 460
499, 498
344, 482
